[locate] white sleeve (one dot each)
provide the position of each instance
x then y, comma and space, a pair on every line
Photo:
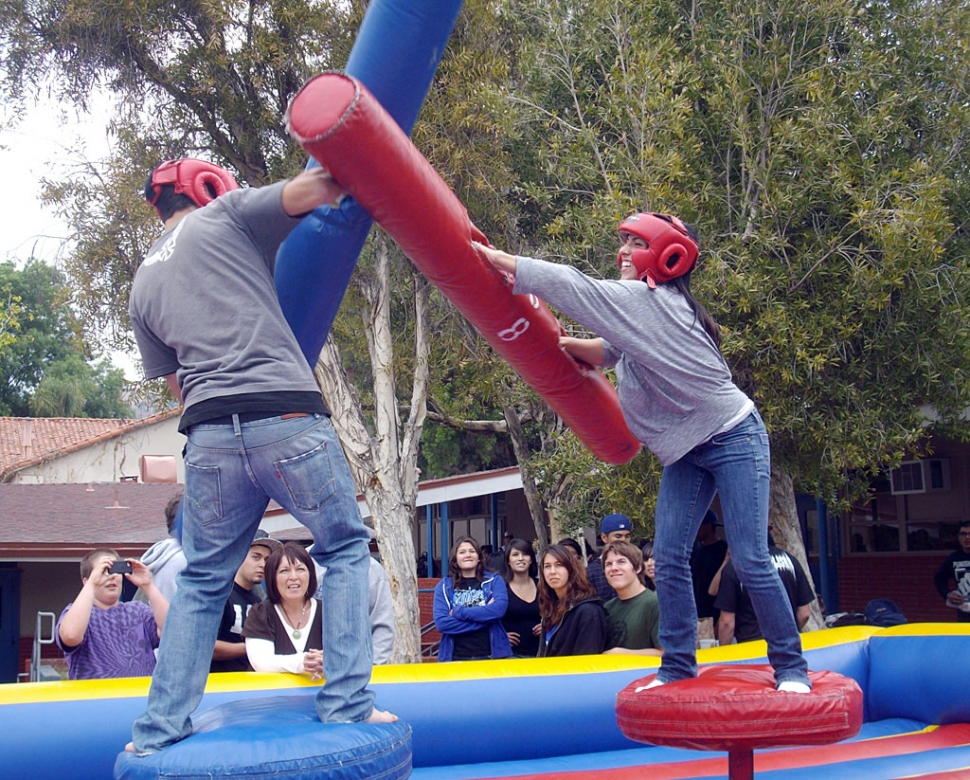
263, 658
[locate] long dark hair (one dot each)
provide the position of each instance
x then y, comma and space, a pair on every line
453, 571
647, 552
682, 283
526, 549
551, 607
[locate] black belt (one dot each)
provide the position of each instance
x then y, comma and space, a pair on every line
247, 417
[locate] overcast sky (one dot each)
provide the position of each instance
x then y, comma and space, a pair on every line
49, 140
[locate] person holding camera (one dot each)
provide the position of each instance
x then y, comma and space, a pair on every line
102, 636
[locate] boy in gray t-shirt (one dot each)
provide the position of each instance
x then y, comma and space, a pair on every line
206, 317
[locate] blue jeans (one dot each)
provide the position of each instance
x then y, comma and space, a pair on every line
737, 466
231, 472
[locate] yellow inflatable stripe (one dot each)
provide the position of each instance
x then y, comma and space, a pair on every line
76, 690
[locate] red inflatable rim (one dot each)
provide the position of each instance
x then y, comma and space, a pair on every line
737, 707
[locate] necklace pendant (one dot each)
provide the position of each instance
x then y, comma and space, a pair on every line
296, 633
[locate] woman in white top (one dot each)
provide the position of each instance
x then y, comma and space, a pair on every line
285, 632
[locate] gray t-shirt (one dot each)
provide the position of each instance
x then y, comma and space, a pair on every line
675, 388
204, 304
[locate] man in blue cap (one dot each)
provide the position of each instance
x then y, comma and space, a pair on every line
613, 528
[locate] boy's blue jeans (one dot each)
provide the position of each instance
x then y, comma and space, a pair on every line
737, 466
232, 469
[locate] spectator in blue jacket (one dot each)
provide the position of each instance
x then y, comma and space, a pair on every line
469, 605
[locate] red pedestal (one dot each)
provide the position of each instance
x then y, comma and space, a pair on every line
737, 709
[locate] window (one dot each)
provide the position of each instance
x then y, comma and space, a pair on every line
930, 475
873, 527
912, 509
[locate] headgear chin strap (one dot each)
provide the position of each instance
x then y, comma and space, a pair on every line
202, 182
670, 252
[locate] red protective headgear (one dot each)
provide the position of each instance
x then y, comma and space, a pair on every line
670, 252
202, 182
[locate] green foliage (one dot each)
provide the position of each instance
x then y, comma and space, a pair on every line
9, 322
73, 387
214, 76
205, 79
820, 149
457, 132
602, 122
819, 146
43, 356
9, 317
839, 275
42, 331
446, 451
112, 227
582, 490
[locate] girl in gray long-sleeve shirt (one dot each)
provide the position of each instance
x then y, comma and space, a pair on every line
679, 399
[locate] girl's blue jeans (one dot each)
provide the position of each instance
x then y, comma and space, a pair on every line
737, 466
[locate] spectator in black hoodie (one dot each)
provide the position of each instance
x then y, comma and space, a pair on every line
573, 618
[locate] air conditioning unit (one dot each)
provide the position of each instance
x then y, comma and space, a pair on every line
158, 468
930, 475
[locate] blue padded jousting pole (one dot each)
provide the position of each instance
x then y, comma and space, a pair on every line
396, 54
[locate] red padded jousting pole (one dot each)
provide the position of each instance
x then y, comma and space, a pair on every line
337, 121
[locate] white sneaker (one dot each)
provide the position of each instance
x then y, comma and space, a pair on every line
654, 683
792, 686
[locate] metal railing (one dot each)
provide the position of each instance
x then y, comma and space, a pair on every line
40, 640
431, 651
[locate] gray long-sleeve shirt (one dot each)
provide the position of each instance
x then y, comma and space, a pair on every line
380, 608
675, 388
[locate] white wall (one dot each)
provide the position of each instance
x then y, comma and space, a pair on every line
46, 587
112, 459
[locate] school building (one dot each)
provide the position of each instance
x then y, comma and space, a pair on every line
69, 485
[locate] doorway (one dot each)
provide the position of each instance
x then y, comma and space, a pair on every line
9, 624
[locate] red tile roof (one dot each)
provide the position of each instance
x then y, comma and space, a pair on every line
56, 521
50, 437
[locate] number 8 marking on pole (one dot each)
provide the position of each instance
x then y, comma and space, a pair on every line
520, 326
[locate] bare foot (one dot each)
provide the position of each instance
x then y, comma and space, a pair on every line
130, 748
381, 716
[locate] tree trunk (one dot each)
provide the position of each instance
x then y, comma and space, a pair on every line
783, 519
521, 448
385, 465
